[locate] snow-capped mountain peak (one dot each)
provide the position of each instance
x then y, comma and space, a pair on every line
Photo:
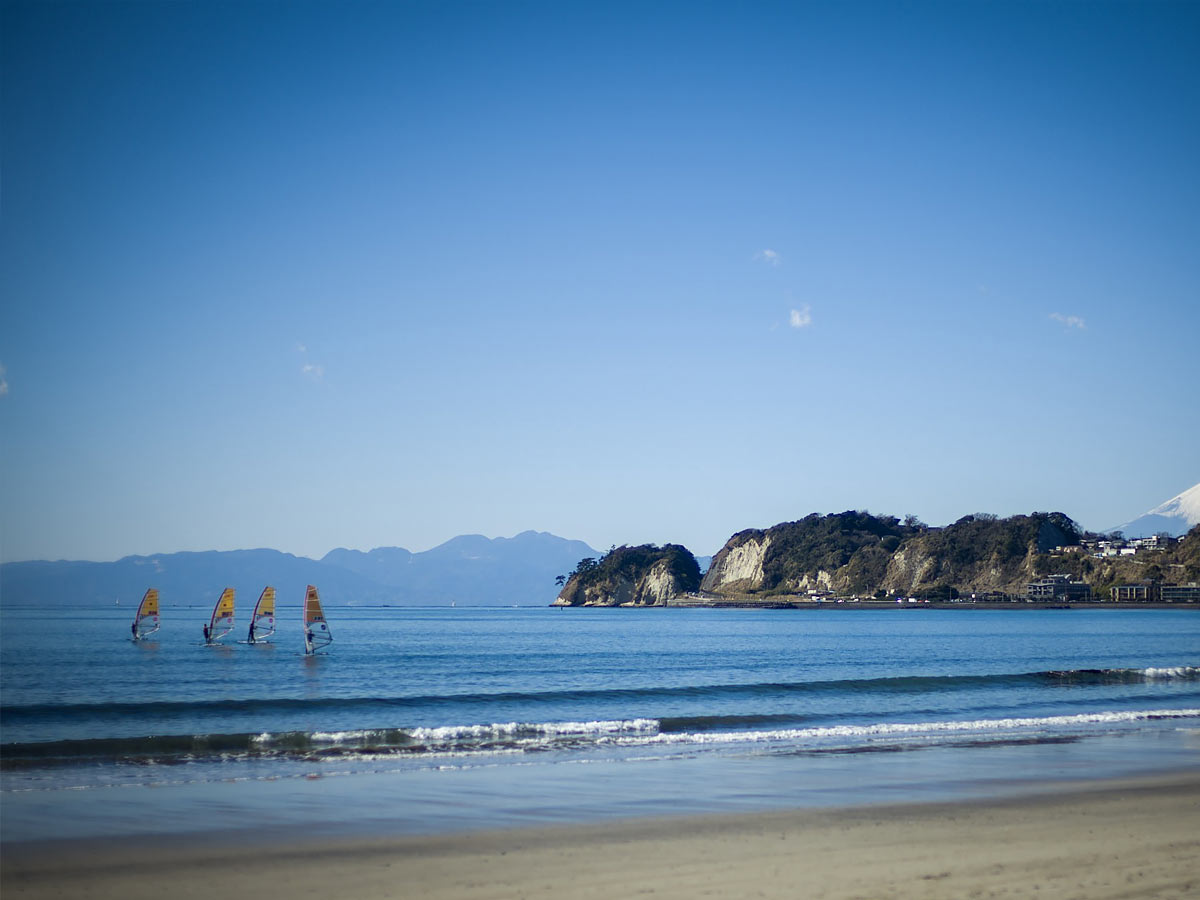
1175, 517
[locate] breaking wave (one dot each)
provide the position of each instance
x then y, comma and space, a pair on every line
530, 737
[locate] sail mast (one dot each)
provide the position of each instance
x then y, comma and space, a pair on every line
222, 616
145, 620
262, 623
316, 629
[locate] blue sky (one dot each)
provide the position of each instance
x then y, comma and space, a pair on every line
368, 274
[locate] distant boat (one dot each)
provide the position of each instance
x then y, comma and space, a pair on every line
262, 623
145, 622
222, 618
316, 629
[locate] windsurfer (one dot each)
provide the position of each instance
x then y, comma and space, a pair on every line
133, 628
250, 637
207, 639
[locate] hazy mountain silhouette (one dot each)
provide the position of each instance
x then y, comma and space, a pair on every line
470, 570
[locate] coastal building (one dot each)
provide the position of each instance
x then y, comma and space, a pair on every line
1107, 548
1058, 588
1143, 590
1180, 593
1154, 542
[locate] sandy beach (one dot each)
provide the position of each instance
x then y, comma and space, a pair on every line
1134, 838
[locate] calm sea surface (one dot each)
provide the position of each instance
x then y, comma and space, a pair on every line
444, 719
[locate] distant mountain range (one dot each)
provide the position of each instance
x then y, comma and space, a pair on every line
1175, 517
469, 570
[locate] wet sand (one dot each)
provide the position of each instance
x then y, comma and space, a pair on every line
1129, 839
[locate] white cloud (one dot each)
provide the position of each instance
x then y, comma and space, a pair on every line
802, 317
315, 371
770, 257
1069, 321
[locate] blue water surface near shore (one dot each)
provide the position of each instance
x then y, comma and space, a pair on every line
422, 720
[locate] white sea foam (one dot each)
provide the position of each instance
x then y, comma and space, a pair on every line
337, 737
518, 737
899, 729
1169, 672
447, 733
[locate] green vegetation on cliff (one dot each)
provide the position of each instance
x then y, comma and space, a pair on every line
978, 553
856, 544
857, 553
642, 575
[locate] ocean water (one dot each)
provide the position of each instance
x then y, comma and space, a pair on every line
426, 720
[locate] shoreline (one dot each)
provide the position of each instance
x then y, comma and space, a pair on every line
788, 601
1129, 837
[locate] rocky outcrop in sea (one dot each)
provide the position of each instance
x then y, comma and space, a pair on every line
646, 575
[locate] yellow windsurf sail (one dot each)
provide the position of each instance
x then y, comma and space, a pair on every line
222, 618
145, 623
316, 629
262, 623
